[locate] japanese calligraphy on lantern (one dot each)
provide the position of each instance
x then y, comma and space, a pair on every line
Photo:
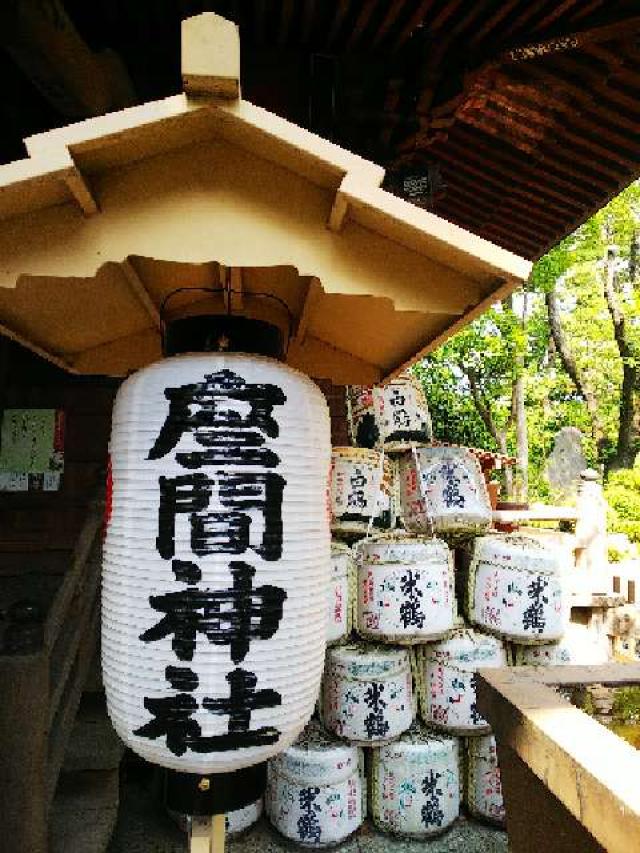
202, 538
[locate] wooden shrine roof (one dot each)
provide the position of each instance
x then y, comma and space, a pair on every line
521, 116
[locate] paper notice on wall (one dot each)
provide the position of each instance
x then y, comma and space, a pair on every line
31, 450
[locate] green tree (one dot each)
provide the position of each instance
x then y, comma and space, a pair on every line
562, 352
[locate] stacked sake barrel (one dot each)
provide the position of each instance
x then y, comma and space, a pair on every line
408, 629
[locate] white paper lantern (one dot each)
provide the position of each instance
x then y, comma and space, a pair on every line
367, 693
361, 491
405, 589
443, 490
484, 786
316, 791
447, 672
216, 560
340, 593
515, 589
415, 784
392, 416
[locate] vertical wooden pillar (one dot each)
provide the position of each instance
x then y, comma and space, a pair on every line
24, 709
536, 819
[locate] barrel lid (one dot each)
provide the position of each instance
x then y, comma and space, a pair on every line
468, 649
512, 550
317, 756
400, 548
368, 661
339, 549
357, 454
420, 743
438, 452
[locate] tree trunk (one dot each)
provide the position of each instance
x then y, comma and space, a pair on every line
522, 437
499, 435
569, 363
625, 448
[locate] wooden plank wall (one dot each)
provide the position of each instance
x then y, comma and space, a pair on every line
39, 529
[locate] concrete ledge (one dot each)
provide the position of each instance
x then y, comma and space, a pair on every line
554, 753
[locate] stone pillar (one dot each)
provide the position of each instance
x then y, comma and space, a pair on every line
591, 532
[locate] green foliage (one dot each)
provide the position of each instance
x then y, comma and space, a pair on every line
626, 704
515, 337
623, 495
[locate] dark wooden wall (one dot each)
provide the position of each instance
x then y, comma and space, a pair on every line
39, 529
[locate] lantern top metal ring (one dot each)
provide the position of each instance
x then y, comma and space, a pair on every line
226, 331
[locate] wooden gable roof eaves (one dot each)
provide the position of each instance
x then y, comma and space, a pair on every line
213, 185
93, 146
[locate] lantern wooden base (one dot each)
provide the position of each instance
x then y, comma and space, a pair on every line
207, 834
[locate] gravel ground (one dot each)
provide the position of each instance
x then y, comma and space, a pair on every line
144, 827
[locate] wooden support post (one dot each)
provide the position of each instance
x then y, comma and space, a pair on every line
207, 834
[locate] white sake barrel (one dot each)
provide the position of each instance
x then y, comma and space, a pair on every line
578, 647
483, 790
340, 593
316, 790
367, 693
405, 589
443, 490
515, 589
236, 821
393, 416
216, 560
415, 784
360, 491
447, 675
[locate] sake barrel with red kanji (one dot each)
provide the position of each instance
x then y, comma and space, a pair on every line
515, 590
216, 560
415, 783
316, 790
443, 491
447, 680
405, 589
393, 416
483, 785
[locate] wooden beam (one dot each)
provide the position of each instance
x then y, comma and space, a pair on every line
311, 302
81, 191
338, 214
137, 286
589, 769
211, 57
389, 19
571, 41
412, 24
77, 81
468, 317
361, 23
48, 356
236, 293
342, 7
